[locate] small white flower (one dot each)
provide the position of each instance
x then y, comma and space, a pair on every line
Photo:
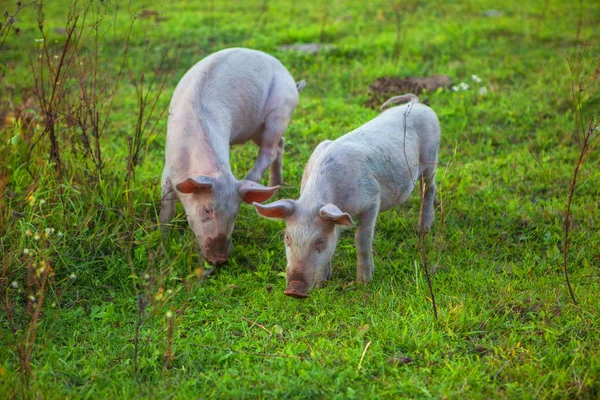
455, 88
483, 91
73, 276
463, 86
14, 284
56, 57
60, 234
31, 297
26, 252
476, 79
169, 314
169, 291
42, 202
36, 237
146, 276
39, 40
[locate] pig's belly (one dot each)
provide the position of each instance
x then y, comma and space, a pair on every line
254, 133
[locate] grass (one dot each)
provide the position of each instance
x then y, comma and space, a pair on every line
506, 326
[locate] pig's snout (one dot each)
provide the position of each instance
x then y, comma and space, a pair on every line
217, 249
297, 289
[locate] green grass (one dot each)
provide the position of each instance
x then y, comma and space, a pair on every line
506, 326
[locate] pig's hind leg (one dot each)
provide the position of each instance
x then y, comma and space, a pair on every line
430, 199
276, 175
271, 146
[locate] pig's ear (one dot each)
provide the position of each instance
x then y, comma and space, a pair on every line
331, 212
254, 192
195, 185
279, 209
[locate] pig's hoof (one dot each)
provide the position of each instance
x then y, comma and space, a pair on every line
296, 289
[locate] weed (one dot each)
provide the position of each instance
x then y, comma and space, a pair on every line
586, 131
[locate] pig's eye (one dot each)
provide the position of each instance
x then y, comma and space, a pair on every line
288, 240
320, 244
206, 213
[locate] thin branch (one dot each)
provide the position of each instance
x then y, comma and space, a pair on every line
363, 355
423, 247
257, 324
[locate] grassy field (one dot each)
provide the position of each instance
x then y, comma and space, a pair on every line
119, 312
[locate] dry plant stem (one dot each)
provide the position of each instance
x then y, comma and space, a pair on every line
144, 116
169, 352
6, 27
50, 101
363, 355
424, 249
27, 340
141, 305
406, 114
588, 143
4, 288
587, 140
49, 107
257, 324
141, 299
92, 105
567, 215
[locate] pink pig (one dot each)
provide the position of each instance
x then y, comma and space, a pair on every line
230, 97
369, 170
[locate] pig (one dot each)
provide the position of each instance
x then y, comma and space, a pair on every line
230, 97
355, 177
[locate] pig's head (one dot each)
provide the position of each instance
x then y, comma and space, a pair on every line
311, 235
212, 204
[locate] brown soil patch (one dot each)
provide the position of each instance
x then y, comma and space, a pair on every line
388, 86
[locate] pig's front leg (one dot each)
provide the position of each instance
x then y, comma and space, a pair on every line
167, 203
324, 277
364, 244
269, 144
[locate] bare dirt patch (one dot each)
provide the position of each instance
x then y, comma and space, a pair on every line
388, 86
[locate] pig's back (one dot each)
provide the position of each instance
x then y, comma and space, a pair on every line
380, 157
229, 90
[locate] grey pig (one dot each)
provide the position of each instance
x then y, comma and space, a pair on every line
369, 170
230, 97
